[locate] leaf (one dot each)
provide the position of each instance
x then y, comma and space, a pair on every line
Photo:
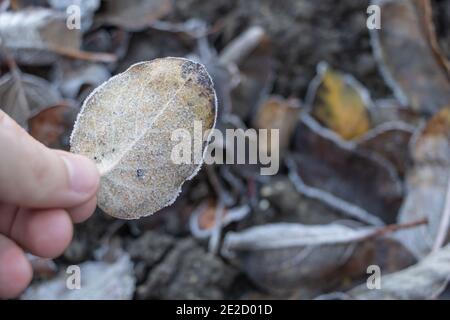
72, 75
134, 15
100, 281
427, 184
25, 95
281, 114
283, 257
425, 280
339, 102
36, 35
126, 124
53, 125
366, 183
389, 140
408, 56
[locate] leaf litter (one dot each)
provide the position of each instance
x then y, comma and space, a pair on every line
360, 151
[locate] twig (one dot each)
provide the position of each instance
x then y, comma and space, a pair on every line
445, 220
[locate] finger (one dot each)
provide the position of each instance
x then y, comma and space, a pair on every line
45, 233
31, 175
83, 211
15, 270
7, 214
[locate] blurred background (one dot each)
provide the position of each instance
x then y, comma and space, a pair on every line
360, 92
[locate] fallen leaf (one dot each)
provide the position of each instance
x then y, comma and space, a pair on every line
126, 125
53, 126
134, 15
365, 184
25, 95
423, 82
425, 280
280, 114
36, 35
339, 102
427, 184
100, 281
389, 140
285, 257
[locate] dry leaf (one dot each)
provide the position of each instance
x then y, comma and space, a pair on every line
24, 95
134, 15
281, 114
364, 181
425, 280
35, 35
389, 140
126, 125
406, 51
53, 125
100, 281
427, 184
283, 257
339, 102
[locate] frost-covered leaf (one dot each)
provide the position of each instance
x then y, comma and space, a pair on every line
339, 102
99, 281
389, 140
425, 280
408, 56
36, 35
283, 257
427, 184
278, 113
23, 96
126, 127
367, 183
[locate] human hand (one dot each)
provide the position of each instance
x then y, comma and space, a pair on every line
42, 192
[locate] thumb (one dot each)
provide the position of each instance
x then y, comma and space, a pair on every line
31, 175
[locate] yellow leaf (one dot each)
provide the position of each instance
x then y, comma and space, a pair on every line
339, 105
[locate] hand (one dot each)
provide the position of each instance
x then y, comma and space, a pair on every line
42, 192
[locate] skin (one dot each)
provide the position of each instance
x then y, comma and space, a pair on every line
42, 193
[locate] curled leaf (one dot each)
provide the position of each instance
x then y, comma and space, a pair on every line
126, 127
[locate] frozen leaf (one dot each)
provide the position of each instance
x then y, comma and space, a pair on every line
428, 184
35, 35
23, 96
425, 280
134, 15
390, 109
280, 114
72, 75
364, 181
286, 256
53, 125
407, 35
126, 127
389, 140
339, 102
203, 220
99, 281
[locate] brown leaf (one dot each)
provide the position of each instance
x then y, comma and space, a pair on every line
126, 127
427, 184
134, 15
36, 35
423, 82
425, 280
328, 163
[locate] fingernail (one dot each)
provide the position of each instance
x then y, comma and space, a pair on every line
83, 174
